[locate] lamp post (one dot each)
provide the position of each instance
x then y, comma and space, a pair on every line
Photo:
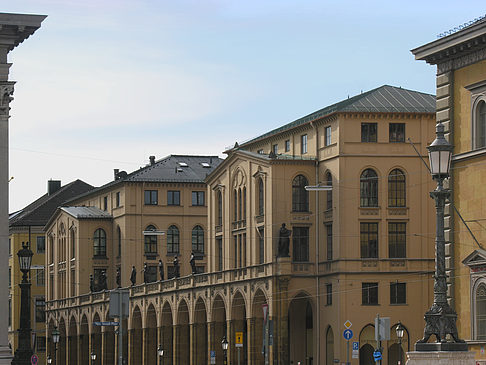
24, 351
49, 360
440, 319
224, 345
93, 357
399, 329
160, 352
55, 339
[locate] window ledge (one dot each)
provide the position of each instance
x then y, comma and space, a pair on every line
100, 258
173, 254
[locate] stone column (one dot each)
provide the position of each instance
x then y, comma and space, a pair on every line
210, 340
176, 334
145, 346
192, 343
230, 337
280, 335
250, 325
14, 29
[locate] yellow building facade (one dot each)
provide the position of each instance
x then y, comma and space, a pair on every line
363, 248
26, 226
461, 106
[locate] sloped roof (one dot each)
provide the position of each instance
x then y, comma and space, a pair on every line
170, 169
38, 212
87, 212
384, 99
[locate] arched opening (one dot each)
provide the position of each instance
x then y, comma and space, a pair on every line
329, 346
61, 346
238, 315
257, 357
369, 188
301, 331
396, 350
200, 333
300, 196
136, 343
150, 336
96, 337
183, 341
367, 345
396, 188
219, 323
73, 342
167, 333
84, 341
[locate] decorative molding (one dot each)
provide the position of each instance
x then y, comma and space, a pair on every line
462, 61
6, 92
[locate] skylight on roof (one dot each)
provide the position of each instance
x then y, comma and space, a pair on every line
205, 164
182, 164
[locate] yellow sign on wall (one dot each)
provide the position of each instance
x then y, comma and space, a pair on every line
239, 339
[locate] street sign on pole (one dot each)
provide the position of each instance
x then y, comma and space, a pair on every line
348, 334
348, 324
239, 339
106, 323
34, 359
382, 328
212, 357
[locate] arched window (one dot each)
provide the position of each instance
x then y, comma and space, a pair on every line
369, 188
220, 208
329, 346
480, 297
396, 188
150, 241
481, 125
99, 243
173, 240
261, 206
300, 197
198, 239
235, 205
329, 192
243, 217
72, 235
240, 203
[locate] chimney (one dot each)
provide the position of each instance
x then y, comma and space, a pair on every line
53, 186
115, 173
152, 160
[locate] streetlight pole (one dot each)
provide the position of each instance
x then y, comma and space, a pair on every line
224, 345
399, 329
440, 319
24, 351
160, 352
93, 357
55, 339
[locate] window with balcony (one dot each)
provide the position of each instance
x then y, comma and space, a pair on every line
300, 196
369, 188
198, 239
173, 240
300, 240
369, 240
99, 243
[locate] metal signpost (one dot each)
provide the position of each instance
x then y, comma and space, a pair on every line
347, 334
212, 355
355, 350
382, 333
119, 308
239, 343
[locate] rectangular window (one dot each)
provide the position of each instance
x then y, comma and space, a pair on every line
151, 197
40, 313
397, 132
117, 199
9, 312
105, 203
300, 238
9, 247
9, 276
51, 287
275, 149
261, 239
397, 235
369, 240
398, 293
303, 144
329, 241
151, 275
369, 292
235, 239
40, 280
220, 253
41, 244
327, 136
73, 283
328, 294
173, 197
40, 343
368, 132
287, 145
198, 198
170, 272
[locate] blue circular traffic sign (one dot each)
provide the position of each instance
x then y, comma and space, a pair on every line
348, 334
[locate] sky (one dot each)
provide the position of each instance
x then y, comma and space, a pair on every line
104, 84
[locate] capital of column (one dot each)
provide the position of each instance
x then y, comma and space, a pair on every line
6, 92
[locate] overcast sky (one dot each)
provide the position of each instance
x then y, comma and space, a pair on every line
104, 84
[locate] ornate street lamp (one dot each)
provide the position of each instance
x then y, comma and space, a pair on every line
160, 352
399, 329
55, 339
24, 351
224, 345
49, 360
440, 319
93, 357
